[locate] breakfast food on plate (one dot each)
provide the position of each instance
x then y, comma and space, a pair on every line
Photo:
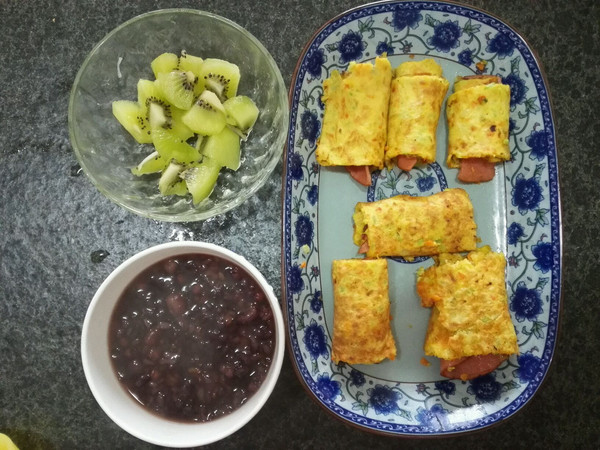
193, 116
361, 314
478, 115
410, 226
417, 92
192, 337
470, 328
354, 127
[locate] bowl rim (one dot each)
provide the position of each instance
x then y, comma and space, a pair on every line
139, 262
224, 207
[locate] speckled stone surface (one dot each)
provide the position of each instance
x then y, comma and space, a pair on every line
52, 220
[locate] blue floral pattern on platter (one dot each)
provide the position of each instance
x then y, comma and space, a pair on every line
484, 45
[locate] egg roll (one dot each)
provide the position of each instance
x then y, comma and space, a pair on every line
355, 121
410, 226
361, 314
417, 93
469, 316
478, 119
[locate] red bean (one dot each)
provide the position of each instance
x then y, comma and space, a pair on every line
176, 304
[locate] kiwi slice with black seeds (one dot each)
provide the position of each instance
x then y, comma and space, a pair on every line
200, 178
193, 64
132, 117
178, 87
150, 164
170, 177
207, 115
149, 92
220, 77
182, 113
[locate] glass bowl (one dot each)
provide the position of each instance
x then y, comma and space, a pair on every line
118, 403
107, 152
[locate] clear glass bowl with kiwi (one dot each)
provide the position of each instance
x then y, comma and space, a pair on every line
178, 115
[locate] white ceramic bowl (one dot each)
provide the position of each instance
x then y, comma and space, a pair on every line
118, 404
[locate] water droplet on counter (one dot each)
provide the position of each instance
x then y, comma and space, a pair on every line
76, 170
98, 256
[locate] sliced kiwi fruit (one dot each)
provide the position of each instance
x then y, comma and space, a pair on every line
163, 63
178, 87
194, 118
191, 63
177, 126
224, 148
169, 146
150, 164
242, 113
179, 188
207, 115
147, 89
170, 177
199, 142
149, 92
158, 114
132, 117
200, 178
220, 77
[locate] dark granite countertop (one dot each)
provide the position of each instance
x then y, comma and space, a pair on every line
52, 220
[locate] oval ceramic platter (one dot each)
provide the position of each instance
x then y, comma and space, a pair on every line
518, 213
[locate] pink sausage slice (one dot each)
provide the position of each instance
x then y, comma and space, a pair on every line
471, 366
406, 163
475, 170
362, 174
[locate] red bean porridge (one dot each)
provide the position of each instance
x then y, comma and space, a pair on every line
192, 337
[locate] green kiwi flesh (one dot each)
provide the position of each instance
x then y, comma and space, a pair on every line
178, 87
152, 163
206, 116
241, 112
179, 188
169, 146
130, 115
201, 178
220, 77
191, 63
177, 126
192, 115
169, 177
165, 62
149, 92
224, 148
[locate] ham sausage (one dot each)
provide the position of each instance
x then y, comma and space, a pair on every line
364, 248
362, 174
471, 366
475, 170
406, 163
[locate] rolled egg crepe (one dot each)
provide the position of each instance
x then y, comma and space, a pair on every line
361, 314
417, 92
478, 114
355, 121
416, 226
469, 317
